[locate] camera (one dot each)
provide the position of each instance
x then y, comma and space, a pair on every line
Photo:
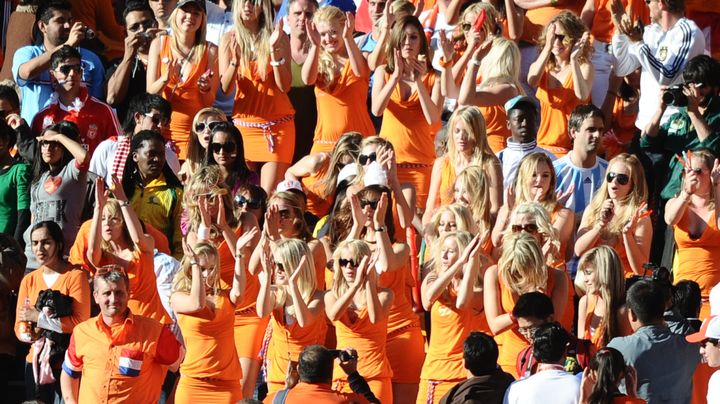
674, 96
89, 33
344, 356
59, 303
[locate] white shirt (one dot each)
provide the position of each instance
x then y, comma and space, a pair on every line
713, 394
512, 155
547, 386
662, 57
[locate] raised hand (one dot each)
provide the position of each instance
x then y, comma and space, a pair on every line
606, 212
14, 120
579, 47
715, 173
244, 240
174, 67
360, 274
117, 189
312, 32
562, 197
272, 223
381, 210
470, 249
447, 48
510, 197
358, 214
204, 207
550, 36
101, 195
221, 216
419, 67
389, 16
349, 27
399, 65
483, 48
188, 251
635, 218
267, 261
691, 182
278, 38
293, 279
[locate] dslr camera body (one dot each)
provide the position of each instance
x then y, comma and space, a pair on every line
674, 96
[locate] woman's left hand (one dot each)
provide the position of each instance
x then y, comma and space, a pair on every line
244, 240
381, 210
634, 219
579, 47
278, 39
117, 189
349, 27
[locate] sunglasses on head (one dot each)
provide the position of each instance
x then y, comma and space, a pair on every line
343, 263
227, 147
66, 69
364, 159
529, 228
200, 127
251, 204
622, 179
372, 204
106, 269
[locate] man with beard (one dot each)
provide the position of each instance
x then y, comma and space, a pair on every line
31, 63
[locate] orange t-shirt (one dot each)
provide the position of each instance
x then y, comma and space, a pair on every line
555, 107
183, 95
496, 127
342, 107
73, 283
354, 329
210, 342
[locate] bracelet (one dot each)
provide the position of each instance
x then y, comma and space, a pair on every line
475, 62
380, 229
203, 233
280, 62
193, 263
124, 204
445, 63
513, 319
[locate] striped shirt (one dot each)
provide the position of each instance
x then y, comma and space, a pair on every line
586, 181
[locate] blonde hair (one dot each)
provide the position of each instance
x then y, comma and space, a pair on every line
637, 195
462, 239
482, 155
501, 65
254, 46
199, 44
521, 267
463, 219
473, 180
348, 145
542, 220
491, 16
183, 279
328, 67
358, 249
707, 158
288, 253
112, 206
528, 165
196, 154
574, 29
208, 180
611, 277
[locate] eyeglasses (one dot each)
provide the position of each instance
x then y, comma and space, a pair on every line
251, 204
531, 228
367, 158
200, 127
466, 26
372, 204
155, 118
622, 179
227, 147
50, 144
343, 263
144, 24
66, 69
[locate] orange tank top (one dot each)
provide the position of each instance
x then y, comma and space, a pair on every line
317, 204
595, 337
227, 273
698, 256
209, 342
555, 107
257, 99
405, 126
354, 329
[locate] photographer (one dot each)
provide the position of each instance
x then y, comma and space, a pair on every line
315, 370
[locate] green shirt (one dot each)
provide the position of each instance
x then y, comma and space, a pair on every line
678, 135
14, 195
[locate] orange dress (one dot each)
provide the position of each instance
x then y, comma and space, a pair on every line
317, 204
698, 258
619, 246
595, 337
342, 107
496, 127
413, 139
447, 182
555, 107
623, 126
264, 116
443, 367
354, 329
211, 371
183, 95
287, 341
405, 343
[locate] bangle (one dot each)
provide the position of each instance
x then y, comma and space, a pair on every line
445, 63
193, 263
124, 204
280, 62
380, 229
513, 319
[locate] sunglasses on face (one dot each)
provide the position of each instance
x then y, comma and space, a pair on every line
372, 204
364, 159
566, 40
200, 127
155, 118
279, 267
251, 204
50, 144
622, 179
66, 69
695, 170
343, 263
528, 228
227, 147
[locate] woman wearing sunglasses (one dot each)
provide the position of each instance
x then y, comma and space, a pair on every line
252, 199
521, 269
341, 77
453, 295
183, 69
204, 122
290, 297
618, 217
694, 217
226, 150
467, 146
563, 77
359, 308
210, 372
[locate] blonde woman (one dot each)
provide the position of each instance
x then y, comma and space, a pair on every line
536, 182
521, 269
563, 76
359, 309
255, 63
447, 219
472, 190
183, 69
341, 77
602, 314
452, 293
618, 217
289, 296
477, 43
200, 135
210, 371
467, 146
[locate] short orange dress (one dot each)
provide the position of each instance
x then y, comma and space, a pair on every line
183, 95
342, 107
354, 329
447, 182
317, 204
443, 367
264, 116
413, 139
210, 372
555, 107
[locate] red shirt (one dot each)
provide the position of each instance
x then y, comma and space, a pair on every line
96, 120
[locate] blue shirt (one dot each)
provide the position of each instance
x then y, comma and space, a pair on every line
36, 91
586, 181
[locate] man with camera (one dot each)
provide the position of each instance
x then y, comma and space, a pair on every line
315, 371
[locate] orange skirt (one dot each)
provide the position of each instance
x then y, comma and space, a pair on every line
258, 142
249, 332
431, 391
418, 175
190, 390
405, 351
382, 388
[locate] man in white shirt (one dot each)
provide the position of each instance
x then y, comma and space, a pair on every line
551, 383
709, 339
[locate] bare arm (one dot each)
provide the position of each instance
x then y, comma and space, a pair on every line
239, 278
588, 14
378, 300
280, 51
676, 207
227, 62
565, 225
310, 67
358, 64
188, 303
637, 245
33, 67
497, 318
560, 292
307, 166
515, 17
144, 242
156, 81
70, 387
434, 190
382, 90
538, 66
581, 316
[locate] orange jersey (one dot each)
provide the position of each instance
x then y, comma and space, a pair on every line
318, 393
342, 107
73, 283
496, 127
555, 107
354, 329
183, 95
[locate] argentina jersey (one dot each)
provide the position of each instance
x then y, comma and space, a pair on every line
585, 180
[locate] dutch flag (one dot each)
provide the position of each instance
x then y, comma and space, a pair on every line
130, 362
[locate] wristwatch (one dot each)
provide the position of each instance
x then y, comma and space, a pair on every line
380, 229
280, 62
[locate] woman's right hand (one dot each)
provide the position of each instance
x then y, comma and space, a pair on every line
267, 262
272, 223
358, 215
204, 207
189, 252
174, 67
360, 274
397, 74
606, 213
447, 48
510, 198
691, 182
